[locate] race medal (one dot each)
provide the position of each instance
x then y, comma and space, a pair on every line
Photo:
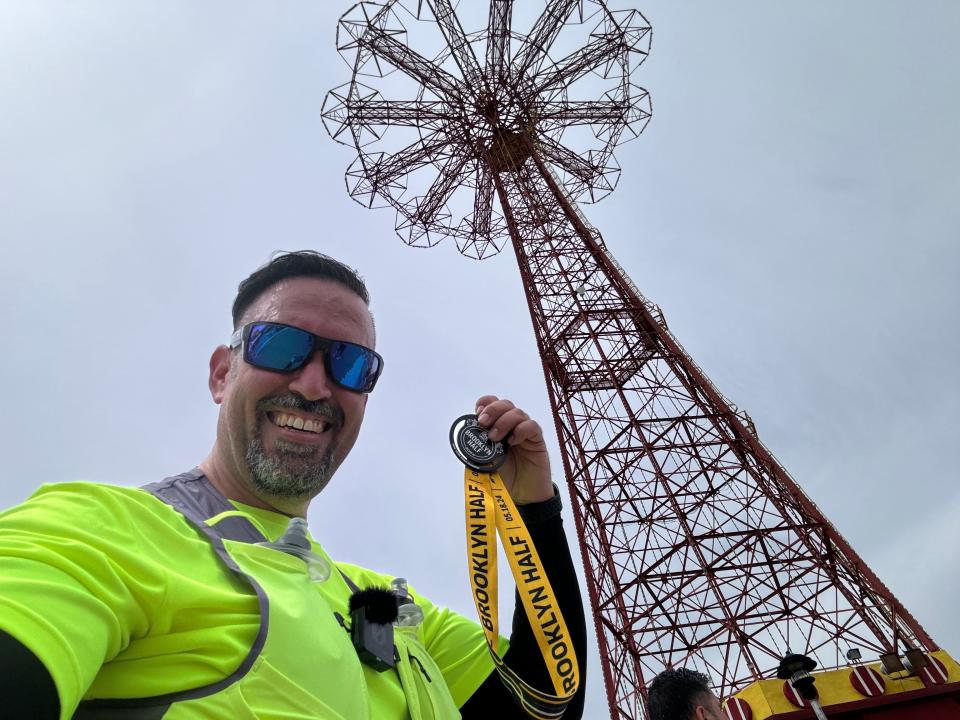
473, 447
489, 512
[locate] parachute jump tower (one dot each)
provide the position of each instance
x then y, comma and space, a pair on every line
700, 550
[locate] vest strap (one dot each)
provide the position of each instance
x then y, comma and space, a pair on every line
193, 496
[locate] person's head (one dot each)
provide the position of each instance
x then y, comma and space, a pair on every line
286, 424
682, 694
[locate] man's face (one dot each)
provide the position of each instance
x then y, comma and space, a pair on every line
709, 708
260, 408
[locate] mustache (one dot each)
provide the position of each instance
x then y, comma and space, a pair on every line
292, 401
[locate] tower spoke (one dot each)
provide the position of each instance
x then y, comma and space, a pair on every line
542, 35
483, 201
456, 39
566, 71
584, 112
446, 182
425, 114
567, 159
387, 169
498, 43
427, 73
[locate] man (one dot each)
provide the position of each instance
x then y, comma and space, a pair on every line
195, 597
682, 694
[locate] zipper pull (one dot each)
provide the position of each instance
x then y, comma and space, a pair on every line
420, 665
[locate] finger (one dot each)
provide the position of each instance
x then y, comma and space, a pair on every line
506, 423
492, 412
483, 401
526, 434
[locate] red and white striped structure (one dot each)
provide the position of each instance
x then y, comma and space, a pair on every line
867, 681
790, 692
699, 548
737, 709
934, 672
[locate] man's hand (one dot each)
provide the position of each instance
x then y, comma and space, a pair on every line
526, 473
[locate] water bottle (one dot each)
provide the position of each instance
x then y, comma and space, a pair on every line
409, 614
294, 542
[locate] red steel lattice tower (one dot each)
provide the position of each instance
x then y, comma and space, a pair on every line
699, 548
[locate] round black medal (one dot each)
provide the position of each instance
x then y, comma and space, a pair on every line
473, 447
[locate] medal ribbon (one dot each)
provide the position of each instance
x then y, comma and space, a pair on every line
489, 506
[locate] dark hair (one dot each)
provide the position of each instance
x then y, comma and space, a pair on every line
675, 694
301, 263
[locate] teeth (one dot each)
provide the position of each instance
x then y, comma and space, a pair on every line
298, 423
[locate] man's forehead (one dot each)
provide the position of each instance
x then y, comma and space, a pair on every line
309, 290
305, 300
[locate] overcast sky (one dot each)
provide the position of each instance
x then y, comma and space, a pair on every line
792, 207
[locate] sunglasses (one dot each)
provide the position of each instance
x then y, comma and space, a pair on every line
285, 349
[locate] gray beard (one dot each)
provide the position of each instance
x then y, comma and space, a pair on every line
292, 471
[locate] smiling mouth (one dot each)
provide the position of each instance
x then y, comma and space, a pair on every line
312, 426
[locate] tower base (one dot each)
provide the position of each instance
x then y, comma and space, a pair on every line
861, 692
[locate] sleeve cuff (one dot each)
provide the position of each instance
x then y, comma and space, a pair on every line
540, 512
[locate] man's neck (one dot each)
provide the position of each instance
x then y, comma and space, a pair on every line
234, 488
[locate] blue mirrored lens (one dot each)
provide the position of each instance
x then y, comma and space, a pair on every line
278, 348
351, 365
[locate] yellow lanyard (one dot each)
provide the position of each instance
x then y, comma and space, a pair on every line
489, 505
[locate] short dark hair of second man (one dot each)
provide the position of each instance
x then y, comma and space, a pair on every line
302, 263
675, 694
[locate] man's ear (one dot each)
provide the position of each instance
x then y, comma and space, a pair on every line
219, 369
702, 713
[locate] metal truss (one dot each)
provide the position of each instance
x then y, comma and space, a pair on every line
700, 550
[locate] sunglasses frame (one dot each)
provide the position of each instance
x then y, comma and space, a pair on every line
322, 344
